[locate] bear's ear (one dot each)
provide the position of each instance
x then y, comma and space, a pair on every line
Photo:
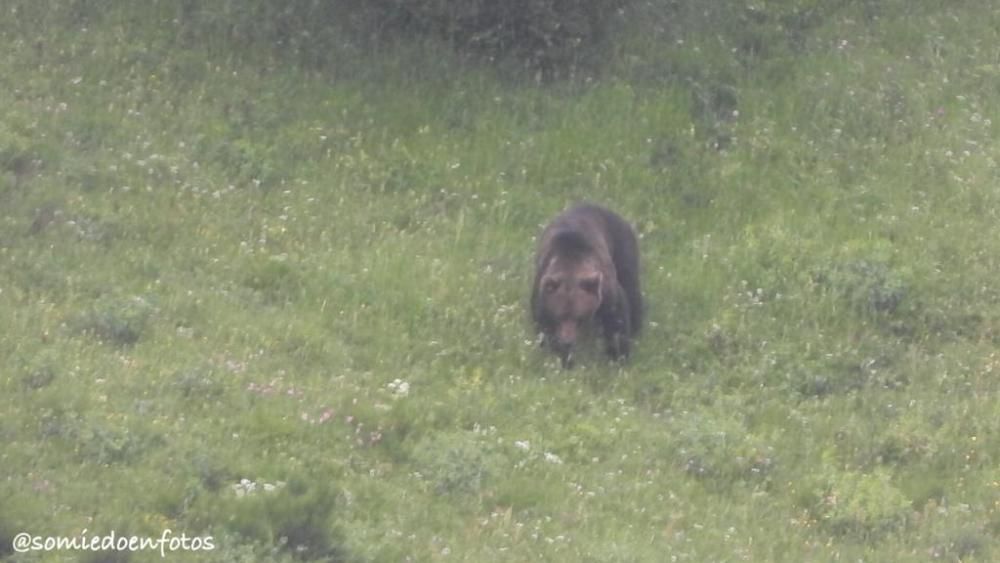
591, 284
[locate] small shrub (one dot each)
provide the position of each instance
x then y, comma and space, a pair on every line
105, 444
722, 451
852, 371
298, 519
21, 153
120, 322
211, 472
869, 286
253, 163
38, 376
58, 422
962, 545
864, 505
456, 462
272, 278
198, 384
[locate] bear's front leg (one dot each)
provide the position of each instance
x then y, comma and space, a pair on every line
615, 323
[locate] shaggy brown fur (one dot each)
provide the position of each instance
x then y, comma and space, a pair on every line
587, 270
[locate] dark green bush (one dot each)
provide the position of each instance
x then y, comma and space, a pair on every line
457, 462
116, 321
297, 520
551, 34
554, 35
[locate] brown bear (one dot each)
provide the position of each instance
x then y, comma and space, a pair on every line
587, 270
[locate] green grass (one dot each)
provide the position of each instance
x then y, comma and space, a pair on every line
223, 263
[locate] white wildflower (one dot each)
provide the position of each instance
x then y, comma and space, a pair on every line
399, 387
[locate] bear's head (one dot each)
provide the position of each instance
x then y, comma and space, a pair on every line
570, 293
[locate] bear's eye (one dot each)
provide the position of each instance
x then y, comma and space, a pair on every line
590, 285
551, 285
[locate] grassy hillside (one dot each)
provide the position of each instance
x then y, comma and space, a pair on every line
276, 295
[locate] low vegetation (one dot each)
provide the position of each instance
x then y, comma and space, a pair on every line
273, 291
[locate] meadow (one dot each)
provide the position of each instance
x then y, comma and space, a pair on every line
275, 294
